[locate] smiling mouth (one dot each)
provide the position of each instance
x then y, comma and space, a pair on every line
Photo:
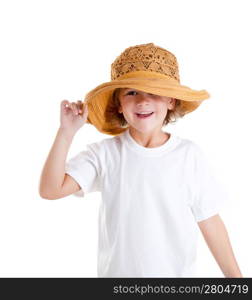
144, 116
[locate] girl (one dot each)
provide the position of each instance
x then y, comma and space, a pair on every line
157, 188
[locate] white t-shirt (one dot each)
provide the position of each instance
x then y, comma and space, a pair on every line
151, 201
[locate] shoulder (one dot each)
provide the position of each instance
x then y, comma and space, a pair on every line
106, 142
104, 145
192, 149
186, 143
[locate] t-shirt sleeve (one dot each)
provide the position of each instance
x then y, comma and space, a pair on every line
210, 195
85, 168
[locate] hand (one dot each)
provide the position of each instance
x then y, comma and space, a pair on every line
73, 115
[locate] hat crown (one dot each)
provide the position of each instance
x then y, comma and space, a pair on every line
145, 57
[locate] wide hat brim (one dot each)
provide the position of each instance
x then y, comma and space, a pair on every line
97, 99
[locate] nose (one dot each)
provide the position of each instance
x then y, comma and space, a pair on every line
142, 98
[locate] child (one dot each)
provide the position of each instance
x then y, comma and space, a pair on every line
156, 187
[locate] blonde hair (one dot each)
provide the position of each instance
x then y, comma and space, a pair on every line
113, 116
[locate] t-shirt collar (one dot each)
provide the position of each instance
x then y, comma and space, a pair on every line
156, 151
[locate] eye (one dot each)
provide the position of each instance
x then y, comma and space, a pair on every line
130, 92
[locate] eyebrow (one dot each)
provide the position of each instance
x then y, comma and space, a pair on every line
129, 89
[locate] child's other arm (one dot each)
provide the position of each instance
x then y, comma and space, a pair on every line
216, 237
54, 182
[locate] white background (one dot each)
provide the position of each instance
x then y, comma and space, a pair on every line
55, 50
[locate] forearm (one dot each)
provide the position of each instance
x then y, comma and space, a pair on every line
53, 173
216, 237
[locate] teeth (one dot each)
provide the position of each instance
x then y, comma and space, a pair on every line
144, 113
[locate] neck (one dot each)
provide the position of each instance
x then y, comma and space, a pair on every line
152, 139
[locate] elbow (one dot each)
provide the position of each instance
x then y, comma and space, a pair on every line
47, 196
47, 193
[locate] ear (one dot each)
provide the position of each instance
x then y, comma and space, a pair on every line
119, 92
171, 103
120, 109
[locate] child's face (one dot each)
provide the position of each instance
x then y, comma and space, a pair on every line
134, 101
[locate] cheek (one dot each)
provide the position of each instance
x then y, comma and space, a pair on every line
126, 106
162, 108
162, 114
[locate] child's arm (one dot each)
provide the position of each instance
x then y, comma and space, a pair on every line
216, 237
54, 183
53, 173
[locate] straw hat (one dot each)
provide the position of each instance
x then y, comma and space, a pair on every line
145, 67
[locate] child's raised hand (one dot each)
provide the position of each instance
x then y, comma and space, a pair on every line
73, 115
